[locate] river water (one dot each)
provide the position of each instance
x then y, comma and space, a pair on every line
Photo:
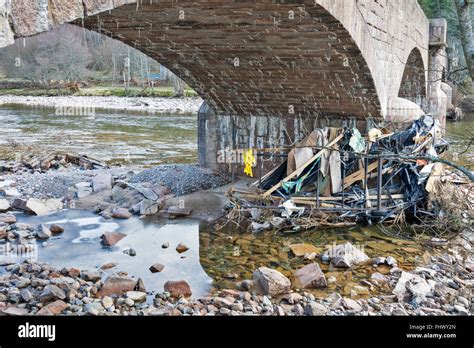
140, 139
112, 136
215, 258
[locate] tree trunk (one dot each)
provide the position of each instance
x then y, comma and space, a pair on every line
464, 9
178, 85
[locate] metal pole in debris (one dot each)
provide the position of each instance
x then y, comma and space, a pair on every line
260, 156
317, 185
379, 183
366, 188
343, 181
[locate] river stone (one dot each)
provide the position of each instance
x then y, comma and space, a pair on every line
178, 288
181, 248
15, 311
102, 182
4, 205
315, 309
43, 232
7, 218
410, 284
149, 207
54, 308
112, 238
176, 211
137, 296
345, 256
310, 276
121, 213
351, 305
41, 207
56, 229
52, 292
272, 282
12, 192
302, 249
91, 275
157, 268
107, 302
117, 285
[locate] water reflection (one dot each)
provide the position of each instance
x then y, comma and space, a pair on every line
217, 259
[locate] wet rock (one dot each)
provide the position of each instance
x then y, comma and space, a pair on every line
140, 285
4, 205
51, 293
303, 249
178, 288
43, 232
149, 207
102, 182
56, 229
108, 265
111, 238
137, 296
130, 252
116, 285
157, 268
7, 218
54, 308
91, 275
121, 213
176, 211
391, 262
310, 276
315, 309
181, 248
272, 282
345, 255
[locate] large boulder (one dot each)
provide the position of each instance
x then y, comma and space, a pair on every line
178, 288
310, 276
272, 282
38, 207
112, 238
411, 286
117, 285
345, 256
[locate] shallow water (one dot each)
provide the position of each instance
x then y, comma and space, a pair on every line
112, 136
214, 259
460, 134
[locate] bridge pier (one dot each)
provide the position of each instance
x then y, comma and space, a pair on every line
222, 139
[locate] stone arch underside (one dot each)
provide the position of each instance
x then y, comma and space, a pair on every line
249, 58
413, 85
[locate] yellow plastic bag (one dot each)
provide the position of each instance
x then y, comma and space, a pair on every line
249, 161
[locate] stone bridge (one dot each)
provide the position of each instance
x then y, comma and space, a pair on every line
269, 71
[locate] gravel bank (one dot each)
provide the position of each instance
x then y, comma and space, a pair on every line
181, 179
138, 104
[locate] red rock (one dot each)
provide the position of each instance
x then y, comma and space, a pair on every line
178, 288
112, 238
157, 268
181, 248
56, 229
74, 272
54, 308
117, 285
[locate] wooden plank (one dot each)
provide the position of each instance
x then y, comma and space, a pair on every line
302, 168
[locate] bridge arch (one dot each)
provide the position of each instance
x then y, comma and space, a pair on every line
252, 59
414, 83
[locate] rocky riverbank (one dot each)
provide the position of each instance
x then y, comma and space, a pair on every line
79, 105
442, 286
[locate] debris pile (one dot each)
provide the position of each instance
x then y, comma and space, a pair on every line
336, 177
45, 161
